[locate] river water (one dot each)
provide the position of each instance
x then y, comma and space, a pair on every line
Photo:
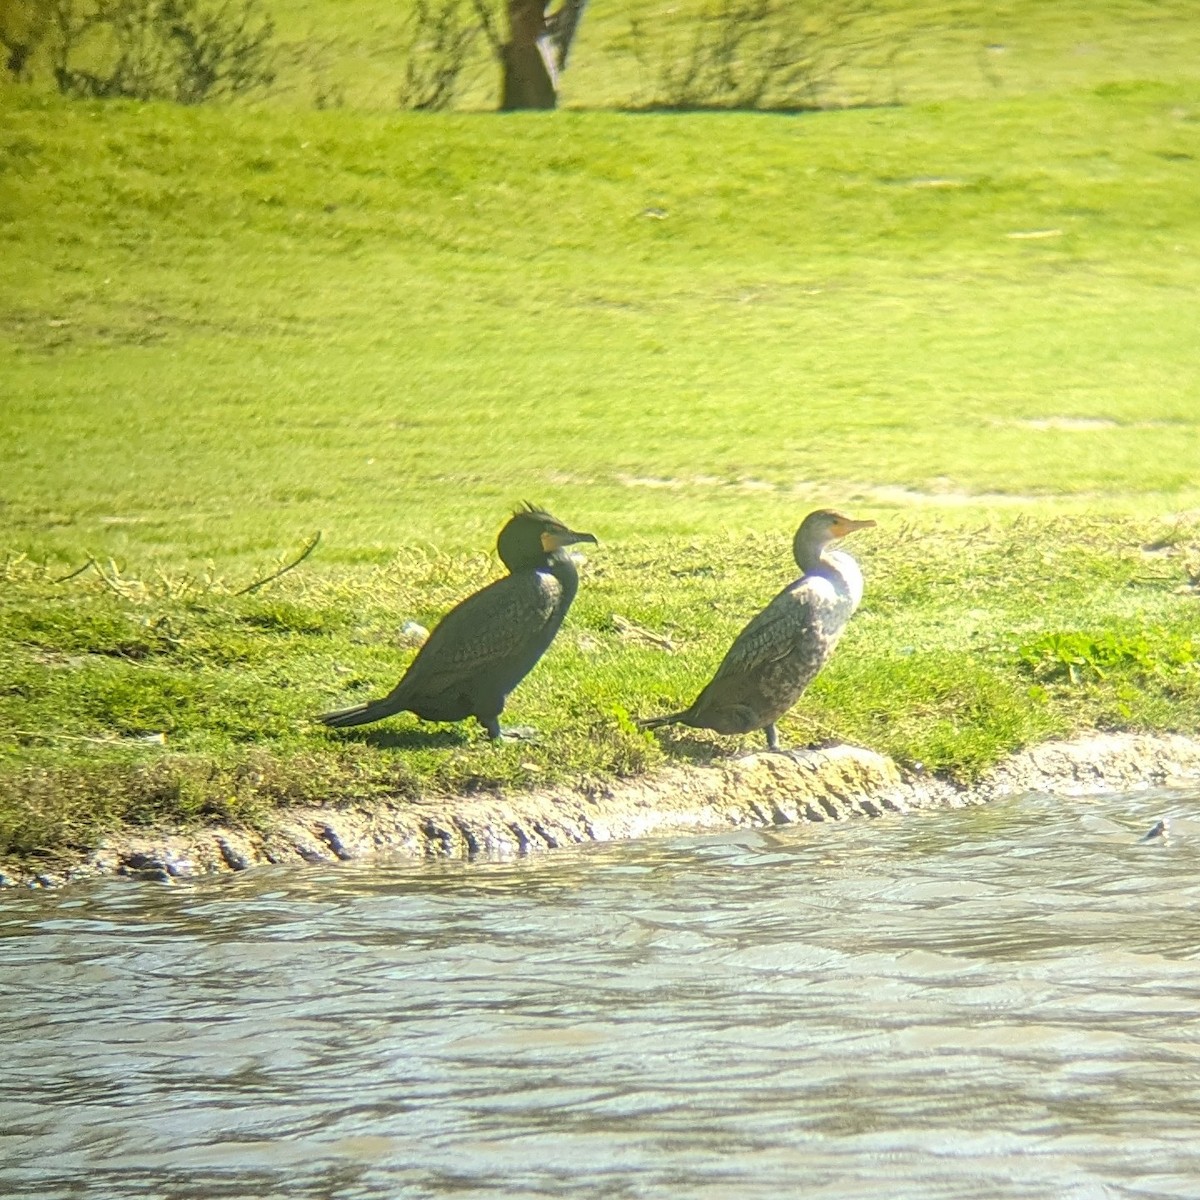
993, 1002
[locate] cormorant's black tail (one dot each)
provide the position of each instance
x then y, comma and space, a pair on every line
361, 714
657, 722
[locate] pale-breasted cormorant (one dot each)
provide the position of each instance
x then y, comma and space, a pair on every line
778, 654
487, 644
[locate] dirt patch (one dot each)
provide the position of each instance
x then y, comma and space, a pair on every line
810, 786
942, 492
898, 496
1068, 424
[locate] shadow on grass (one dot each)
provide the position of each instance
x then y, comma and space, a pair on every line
652, 108
696, 749
412, 737
702, 751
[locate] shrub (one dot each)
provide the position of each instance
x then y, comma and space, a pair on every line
748, 54
186, 51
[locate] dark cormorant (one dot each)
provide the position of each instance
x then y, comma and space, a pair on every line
778, 654
486, 645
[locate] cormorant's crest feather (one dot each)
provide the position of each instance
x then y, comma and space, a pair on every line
528, 508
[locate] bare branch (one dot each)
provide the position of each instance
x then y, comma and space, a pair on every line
258, 583
91, 562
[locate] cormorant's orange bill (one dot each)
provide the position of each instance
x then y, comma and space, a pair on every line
556, 539
845, 525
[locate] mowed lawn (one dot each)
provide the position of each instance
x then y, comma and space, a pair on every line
226, 330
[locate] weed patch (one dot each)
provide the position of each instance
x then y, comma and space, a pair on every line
1079, 656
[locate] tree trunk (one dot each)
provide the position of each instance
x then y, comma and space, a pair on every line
528, 78
536, 52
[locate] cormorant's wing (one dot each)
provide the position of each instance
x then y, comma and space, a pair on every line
497, 625
792, 620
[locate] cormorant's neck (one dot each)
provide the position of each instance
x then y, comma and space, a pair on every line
561, 563
562, 567
810, 556
841, 571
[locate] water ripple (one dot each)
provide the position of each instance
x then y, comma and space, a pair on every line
996, 1003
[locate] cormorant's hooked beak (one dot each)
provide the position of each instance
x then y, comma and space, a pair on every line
558, 538
847, 525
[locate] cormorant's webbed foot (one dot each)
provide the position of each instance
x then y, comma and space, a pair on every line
511, 733
519, 733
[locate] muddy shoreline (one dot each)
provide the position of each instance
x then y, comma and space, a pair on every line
809, 786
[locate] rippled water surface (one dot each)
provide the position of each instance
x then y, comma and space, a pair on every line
995, 1002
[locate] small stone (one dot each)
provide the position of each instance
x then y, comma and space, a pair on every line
233, 857
413, 634
518, 733
1159, 830
333, 840
143, 862
438, 839
143, 865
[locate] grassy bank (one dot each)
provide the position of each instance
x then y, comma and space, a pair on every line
223, 332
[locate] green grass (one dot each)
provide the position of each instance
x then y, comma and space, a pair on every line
225, 330
178, 700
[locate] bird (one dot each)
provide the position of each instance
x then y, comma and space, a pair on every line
781, 650
484, 646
